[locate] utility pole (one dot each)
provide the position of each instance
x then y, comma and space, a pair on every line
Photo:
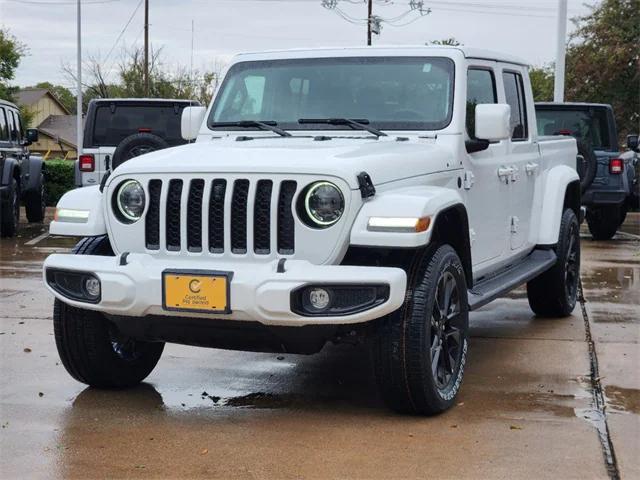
561, 51
146, 48
79, 84
369, 20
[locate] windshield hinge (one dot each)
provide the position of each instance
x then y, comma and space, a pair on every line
366, 185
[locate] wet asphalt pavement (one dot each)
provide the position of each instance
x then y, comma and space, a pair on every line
542, 398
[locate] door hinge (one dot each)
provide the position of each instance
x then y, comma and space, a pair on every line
472, 236
469, 179
515, 221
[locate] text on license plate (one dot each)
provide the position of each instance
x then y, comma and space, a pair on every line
207, 292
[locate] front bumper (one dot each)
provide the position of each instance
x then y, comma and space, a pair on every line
258, 292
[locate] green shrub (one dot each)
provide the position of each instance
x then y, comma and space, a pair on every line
60, 178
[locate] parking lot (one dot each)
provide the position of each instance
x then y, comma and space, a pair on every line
554, 398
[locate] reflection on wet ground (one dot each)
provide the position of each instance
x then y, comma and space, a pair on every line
213, 413
623, 399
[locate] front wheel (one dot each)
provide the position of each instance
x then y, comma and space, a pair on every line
420, 350
10, 211
554, 293
93, 351
91, 347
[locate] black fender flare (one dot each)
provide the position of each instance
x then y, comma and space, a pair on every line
35, 167
10, 166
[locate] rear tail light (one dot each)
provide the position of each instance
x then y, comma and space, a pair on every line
616, 166
87, 163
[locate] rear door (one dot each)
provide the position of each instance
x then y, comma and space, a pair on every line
523, 156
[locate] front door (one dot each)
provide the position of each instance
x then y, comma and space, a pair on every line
487, 192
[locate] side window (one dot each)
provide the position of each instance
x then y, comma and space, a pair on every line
481, 88
13, 134
16, 116
4, 127
514, 94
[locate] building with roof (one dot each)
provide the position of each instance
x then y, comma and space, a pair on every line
55, 124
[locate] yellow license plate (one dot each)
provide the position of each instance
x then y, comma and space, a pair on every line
196, 291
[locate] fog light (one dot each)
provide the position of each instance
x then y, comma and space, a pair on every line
319, 298
92, 287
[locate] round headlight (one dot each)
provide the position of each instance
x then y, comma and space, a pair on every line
324, 204
130, 200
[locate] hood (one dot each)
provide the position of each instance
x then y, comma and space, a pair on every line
340, 157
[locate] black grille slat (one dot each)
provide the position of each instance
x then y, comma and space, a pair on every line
239, 202
152, 220
172, 224
194, 216
286, 223
262, 218
216, 216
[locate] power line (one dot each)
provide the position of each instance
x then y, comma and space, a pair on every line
124, 29
374, 22
58, 2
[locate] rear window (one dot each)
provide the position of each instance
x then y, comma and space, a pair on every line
588, 125
113, 123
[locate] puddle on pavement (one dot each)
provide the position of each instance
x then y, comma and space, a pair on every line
614, 284
622, 399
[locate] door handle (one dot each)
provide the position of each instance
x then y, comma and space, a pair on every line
531, 168
514, 173
505, 172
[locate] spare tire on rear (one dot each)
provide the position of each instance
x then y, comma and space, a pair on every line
136, 145
586, 164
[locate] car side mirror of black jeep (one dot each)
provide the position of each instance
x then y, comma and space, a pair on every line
31, 135
632, 142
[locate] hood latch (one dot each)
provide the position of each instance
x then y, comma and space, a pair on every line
366, 185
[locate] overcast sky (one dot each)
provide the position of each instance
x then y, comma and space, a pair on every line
526, 28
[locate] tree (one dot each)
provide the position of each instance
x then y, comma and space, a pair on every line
164, 82
11, 52
603, 60
451, 41
542, 83
63, 94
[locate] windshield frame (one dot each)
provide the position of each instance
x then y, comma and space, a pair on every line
295, 126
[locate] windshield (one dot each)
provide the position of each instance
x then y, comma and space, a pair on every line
587, 125
394, 93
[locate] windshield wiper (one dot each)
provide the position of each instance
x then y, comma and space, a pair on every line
357, 124
266, 125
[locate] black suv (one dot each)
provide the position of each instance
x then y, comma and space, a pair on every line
21, 174
608, 180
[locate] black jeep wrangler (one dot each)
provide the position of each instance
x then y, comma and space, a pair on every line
21, 174
608, 178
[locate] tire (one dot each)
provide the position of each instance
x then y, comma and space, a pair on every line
554, 293
91, 348
603, 222
586, 165
35, 203
136, 145
10, 211
407, 340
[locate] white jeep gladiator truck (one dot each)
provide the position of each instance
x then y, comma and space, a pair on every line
345, 195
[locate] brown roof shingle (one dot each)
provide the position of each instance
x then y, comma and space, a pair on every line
63, 126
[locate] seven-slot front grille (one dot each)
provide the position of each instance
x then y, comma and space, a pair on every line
251, 210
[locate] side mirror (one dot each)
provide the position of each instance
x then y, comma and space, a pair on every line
632, 142
32, 135
192, 118
492, 121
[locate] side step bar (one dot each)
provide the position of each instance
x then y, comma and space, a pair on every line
528, 268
